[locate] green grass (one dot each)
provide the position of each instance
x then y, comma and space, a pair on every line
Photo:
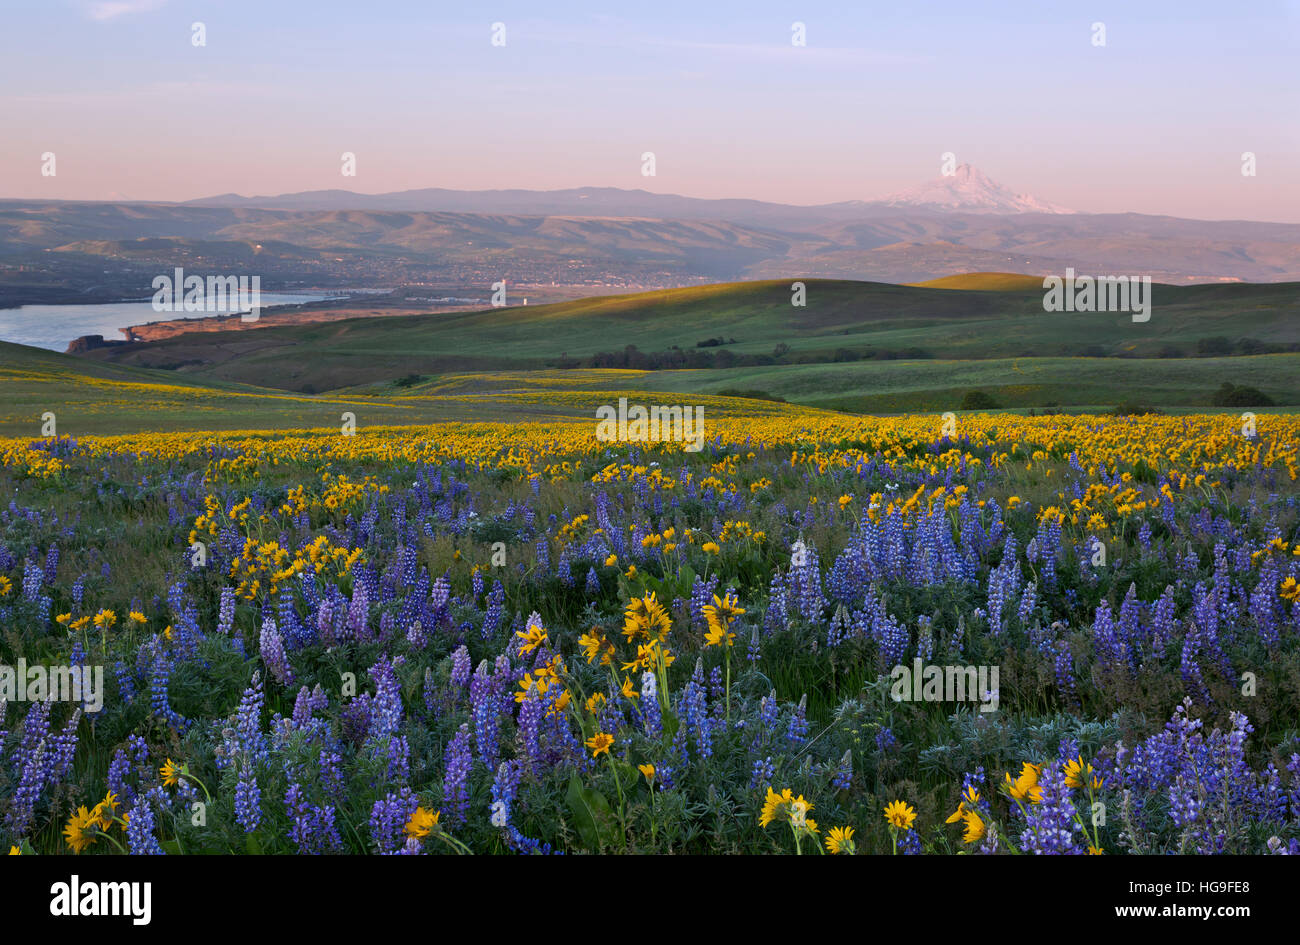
862, 317
492, 365
897, 386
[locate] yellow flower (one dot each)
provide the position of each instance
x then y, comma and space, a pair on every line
533, 637
630, 573
773, 804
105, 619
595, 645
137, 617
1289, 590
79, 832
171, 773
14, 851
6, 586
648, 771
105, 811
900, 815
840, 840
845, 500
600, 742
1095, 851
974, 826
611, 561
1026, 786
710, 548
717, 636
627, 691
1075, 770
422, 822
596, 702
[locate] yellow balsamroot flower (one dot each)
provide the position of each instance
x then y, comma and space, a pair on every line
14, 851
105, 811
845, 500
6, 586
900, 815
773, 804
80, 830
718, 636
171, 773
422, 823
1026, 785
710, 548
630, 573
1013, 501
611, 561
533, 637
80, 623
974, 826
1076, 770
136, 617
840, 840
1289, 590
105, 619
595, 645
543, 679
720, 615
600, 742
647, 770
596, 702
1095, 851
627, 691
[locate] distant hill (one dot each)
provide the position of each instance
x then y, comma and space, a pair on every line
732, 325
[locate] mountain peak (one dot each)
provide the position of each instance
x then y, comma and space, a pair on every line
969, 190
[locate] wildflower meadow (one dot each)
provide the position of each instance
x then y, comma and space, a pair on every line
814, 634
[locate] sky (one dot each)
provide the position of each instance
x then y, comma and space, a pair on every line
1155, 121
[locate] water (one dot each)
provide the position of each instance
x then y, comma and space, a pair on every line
55, 326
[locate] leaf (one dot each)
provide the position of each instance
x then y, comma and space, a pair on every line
591, 815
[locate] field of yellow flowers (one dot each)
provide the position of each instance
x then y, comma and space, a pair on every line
819, 634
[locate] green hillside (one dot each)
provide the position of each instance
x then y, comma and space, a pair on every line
745, 322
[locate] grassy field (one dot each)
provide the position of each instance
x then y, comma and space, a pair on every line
500, 364
840, 319
112, 399
897, 386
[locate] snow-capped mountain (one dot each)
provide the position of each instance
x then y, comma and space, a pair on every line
968, 190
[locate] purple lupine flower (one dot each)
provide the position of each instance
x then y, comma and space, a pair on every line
1051, 827
273, 655
455, 783
141, 831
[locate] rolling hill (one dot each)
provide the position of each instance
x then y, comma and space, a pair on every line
733, 325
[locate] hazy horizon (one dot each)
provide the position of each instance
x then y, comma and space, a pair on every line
1156, 121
